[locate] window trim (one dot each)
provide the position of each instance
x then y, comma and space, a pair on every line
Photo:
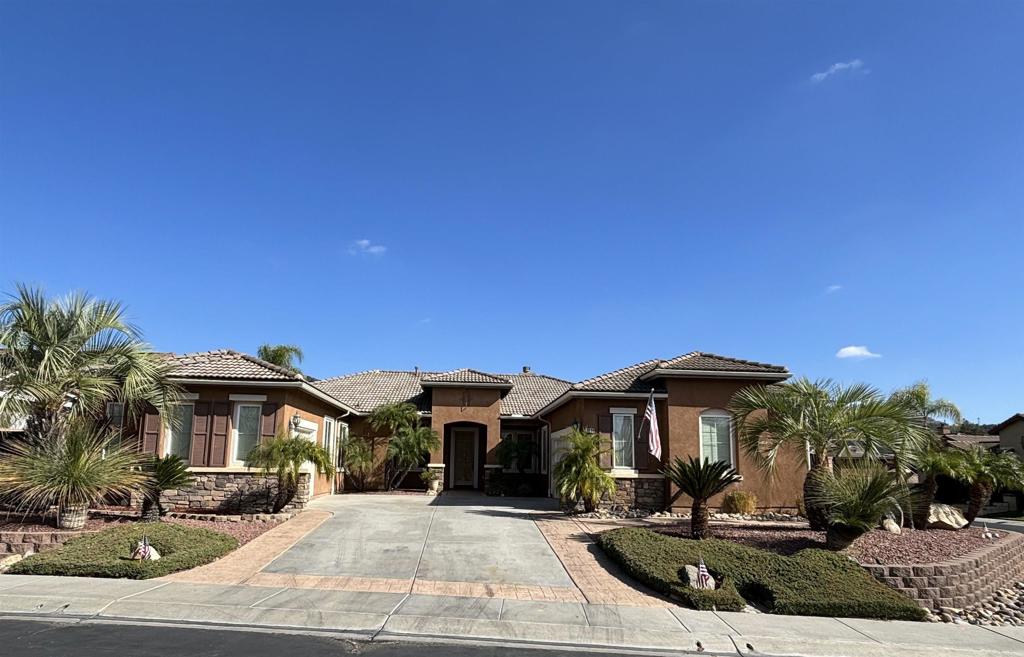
719, 414
632, 442
235, 419
168, 434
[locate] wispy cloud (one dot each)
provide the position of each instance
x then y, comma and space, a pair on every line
854, 65
832, 289
368, 247
856, 351
425, 320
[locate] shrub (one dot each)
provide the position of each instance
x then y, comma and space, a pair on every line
739, 501
700, 480
107, 553
809, 583
854, 500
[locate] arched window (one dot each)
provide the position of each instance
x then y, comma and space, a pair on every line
716, 439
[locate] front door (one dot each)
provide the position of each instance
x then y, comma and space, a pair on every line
464, 457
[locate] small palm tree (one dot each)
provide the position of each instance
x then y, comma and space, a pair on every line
359, 461
578, 475
855, 499
983, 471
73, 466
283, 457
824, 419
919, 397
66, 358
930, 462
408, 442
700, 480
287, 356
165, 473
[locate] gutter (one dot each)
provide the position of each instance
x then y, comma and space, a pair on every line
270, 383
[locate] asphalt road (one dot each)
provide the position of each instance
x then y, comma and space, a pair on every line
30, 638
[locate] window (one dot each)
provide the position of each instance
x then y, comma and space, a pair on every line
115, 415
247, 429
716, 437
329, 436
179, 431
623, 440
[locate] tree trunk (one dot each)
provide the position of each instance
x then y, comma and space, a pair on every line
924, 505
979, 498
817, 515
150, 509
287, 487
699, 520
840, 537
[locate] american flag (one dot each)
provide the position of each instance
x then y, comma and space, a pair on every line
703, 576
653, 436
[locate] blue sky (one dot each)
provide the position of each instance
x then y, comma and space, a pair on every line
571, 185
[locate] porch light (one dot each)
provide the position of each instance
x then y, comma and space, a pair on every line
295, 422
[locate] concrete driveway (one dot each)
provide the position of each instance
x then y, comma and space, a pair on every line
456, 537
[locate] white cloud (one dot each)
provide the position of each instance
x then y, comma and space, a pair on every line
856, 351
425, 320
366, 246
839, 67
832, 289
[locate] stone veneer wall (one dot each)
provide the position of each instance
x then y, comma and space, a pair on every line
962, 582
646, 493
32, 542
233, 492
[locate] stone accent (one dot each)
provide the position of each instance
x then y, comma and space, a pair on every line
962, 582
222, 517
491, 479
232, 492
644, 493
26, 543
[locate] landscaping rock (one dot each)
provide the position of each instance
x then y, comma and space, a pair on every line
694, 582
1006, 608
9, 560
890, 526
944, 516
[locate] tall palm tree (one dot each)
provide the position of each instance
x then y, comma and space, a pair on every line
983, 471
919, 396
287, 356
823, 419
700, 480
66, 358
283, 457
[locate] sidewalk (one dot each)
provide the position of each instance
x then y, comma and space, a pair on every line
379, 615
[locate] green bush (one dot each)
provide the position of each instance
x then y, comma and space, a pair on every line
108, 553
739, 501
809, 583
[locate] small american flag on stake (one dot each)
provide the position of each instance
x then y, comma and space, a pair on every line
703, 576
653, 435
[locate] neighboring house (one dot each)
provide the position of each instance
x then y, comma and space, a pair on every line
968, 440
472, 411
1011, 434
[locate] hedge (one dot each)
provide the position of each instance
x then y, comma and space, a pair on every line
808, 583
108, 553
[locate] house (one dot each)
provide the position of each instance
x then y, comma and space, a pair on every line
1011, 434
233, 400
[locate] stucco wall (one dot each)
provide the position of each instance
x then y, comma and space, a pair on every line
1011, 438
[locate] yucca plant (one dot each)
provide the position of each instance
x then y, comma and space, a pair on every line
983, 471
854, 499
73, 466
283, 457
164, 473
578, 475
700, 480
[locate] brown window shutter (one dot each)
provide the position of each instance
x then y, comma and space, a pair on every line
150, 432
604, 429
268, 427
200, 453
218, 451
641, 454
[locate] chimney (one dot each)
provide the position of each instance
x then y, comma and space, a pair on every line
526, 369
416, 370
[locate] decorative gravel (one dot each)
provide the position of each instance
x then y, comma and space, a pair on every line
878, 546
242, 531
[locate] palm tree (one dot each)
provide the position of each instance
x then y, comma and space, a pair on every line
73, 466
283, 355
919, 396
408, 442
700, 480
855, 499
66, 358
578, 475
824, 420
283, 456
165, 473
930, 462
983, 471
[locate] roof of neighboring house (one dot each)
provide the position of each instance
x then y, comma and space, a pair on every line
634, 378
365, 391
227, 364
465, 375
1016, 417
966, 441
531, 392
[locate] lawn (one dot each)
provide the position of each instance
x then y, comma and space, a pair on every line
808, 583
108, 553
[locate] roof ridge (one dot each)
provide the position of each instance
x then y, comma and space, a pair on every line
743, 361
607, 375
270, 366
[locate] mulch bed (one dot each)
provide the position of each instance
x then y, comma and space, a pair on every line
242, 531
878, 546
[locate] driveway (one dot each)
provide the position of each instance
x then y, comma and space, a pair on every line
456, 537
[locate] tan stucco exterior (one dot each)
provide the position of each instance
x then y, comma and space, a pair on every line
1011, 438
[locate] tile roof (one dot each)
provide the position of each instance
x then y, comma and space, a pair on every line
365, 391
628, 379
466, 375
228, 365
531, 392
967, 441
701, 360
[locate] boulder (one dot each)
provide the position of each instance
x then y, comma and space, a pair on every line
691, 579
890, 526
944, 516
